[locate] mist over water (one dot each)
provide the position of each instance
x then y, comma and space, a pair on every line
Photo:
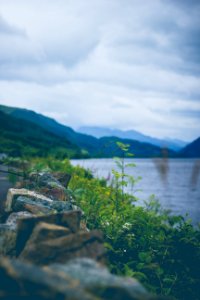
174, 182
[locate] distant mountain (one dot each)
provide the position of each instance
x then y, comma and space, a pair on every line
192, 150
86, 144
99, 132
23, 138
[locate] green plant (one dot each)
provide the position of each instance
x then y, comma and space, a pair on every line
146, 242
121, 178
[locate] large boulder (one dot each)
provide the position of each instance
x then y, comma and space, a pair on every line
70, 220
96, 279
79, 279
24, 281
61, 249
45, 231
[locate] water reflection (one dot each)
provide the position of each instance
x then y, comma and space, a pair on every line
195, 174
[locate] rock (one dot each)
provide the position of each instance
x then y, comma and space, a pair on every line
62, 249
47, 184
14, 217
25, 281
44, 231
7, 240
96, 279
70, 220
63, 178
5, 186
8, 233
25, 200
40, 206
13, 194
81, 279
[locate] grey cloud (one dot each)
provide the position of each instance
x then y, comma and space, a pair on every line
69, 55
193, 114
8, 29
189, 45
186, 4
126, 64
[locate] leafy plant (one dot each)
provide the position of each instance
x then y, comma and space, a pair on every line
148, 243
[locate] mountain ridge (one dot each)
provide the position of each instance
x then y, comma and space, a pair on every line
99, 132
87, 145
191, 150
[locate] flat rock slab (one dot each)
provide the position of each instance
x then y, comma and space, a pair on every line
62, 249
25, 200
40, 206
13, 194
70, 220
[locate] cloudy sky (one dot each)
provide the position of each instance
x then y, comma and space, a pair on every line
127, 64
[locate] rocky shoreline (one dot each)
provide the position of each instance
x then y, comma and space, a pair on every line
46, 251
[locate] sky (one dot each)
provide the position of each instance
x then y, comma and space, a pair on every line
126, 64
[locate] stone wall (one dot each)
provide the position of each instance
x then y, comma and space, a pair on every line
46, 251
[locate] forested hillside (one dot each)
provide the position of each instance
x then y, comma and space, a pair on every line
23, 138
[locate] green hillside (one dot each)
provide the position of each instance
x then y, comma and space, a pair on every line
23, 138
84, 141
89, 145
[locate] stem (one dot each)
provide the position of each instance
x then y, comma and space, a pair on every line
123, 175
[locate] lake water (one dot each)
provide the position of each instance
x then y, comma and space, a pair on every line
175, 182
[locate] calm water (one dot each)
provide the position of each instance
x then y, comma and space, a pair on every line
176, 182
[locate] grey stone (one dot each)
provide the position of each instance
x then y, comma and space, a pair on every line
46, 180
40, 206
70, 220
44, 231
14, 217
62, 249
13, 194
25, 281
96, 279
7, 240
81, 279
48, 185
63, 178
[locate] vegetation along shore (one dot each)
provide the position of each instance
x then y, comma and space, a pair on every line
161, 250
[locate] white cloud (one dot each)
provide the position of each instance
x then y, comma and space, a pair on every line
98, 62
